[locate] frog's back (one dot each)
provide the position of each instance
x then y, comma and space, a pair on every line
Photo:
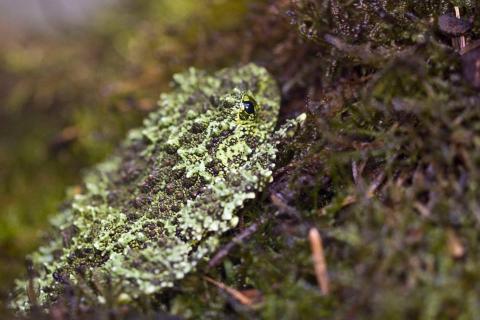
152, 212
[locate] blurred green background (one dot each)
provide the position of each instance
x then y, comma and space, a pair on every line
74, 79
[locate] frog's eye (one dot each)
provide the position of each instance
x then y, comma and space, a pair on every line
249, 104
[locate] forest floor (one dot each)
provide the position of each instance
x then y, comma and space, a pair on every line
379, 189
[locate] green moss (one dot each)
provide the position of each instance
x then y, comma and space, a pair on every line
387, 174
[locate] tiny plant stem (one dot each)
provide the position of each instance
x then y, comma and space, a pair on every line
244, 235
240, 297
319, 261
462, 38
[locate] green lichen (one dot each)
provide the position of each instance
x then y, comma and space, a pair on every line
150, 213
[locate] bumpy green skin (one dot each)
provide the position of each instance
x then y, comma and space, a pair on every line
149, 214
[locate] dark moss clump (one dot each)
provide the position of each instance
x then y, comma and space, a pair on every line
402, 223
386, 169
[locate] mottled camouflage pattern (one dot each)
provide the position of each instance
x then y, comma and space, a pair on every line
151, 212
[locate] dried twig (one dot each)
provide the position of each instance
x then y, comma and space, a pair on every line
463, 42
366, 53
375, 184
455, 246
319, 261
245, 234
424, 211
282, 206
351, 199
357, 170
237, 295
348, 200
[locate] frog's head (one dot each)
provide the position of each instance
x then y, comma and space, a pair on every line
230, 118
248, 118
